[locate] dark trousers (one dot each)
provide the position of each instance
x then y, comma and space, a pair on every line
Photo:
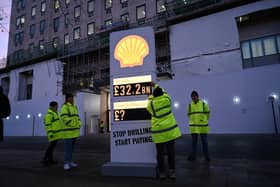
170, 153
1, 130
49, 152
204, 145
69, 145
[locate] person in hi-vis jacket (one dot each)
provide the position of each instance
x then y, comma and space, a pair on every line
164, 129
198, 113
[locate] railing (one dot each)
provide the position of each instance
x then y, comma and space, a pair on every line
32, 55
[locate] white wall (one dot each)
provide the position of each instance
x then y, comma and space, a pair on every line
253, 86
46, 88
210, 42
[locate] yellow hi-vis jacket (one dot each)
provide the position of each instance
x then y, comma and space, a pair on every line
53, 125
164, 126
198, 114
71, 122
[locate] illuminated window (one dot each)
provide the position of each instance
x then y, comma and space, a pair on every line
125, 18
67, 3
108, 4
55, 42
77, 33
77, 12
257, 49
108, 22
269, 46
41, 45
90, 28
66, 20
160, 6
141, 12
43, 7
33, 11
66, 39
246, 50
56, 5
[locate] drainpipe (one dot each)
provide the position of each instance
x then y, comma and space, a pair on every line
272, 100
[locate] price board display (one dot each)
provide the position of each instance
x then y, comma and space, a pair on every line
131, 110
132, 86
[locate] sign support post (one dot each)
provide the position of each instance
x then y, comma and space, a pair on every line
132, 69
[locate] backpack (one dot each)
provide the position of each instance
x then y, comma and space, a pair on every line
5, 107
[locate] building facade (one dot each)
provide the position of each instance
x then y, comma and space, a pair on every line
197, 41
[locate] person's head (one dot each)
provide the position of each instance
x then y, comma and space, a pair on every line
69, 98
194, 96
157, 92
53, 105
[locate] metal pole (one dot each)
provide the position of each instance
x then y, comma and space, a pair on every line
274, 117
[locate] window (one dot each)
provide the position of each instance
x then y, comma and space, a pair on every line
42, 26
141, 12
246, 50
32, 30
33, 12
55, 42
25, 85
90, 7
21, 4
257, 49
17, 22
125, 18
56, 5
43, 7
160, 6
67, 3
66, 20
124, 3
269, 46
77, 32
108, 4
90, 28
66, 39
20, 21
278, 42
56, 24
41, 45
5, 83
19, 37
108, 22
77, 12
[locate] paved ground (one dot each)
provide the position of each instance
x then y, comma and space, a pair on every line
237, 160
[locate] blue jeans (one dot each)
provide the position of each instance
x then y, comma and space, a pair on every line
68, 149
204, 145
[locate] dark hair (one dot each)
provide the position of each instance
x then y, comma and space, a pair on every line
68, 95
53, 104
157, 92
194, 93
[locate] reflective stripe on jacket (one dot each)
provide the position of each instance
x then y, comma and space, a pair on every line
71, 122
198, 114
164, 126
53, 125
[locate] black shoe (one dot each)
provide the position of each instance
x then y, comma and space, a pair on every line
191, 158
172, 174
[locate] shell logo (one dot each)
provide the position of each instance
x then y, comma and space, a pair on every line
131, 50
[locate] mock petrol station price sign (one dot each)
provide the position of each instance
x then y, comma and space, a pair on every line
132, 69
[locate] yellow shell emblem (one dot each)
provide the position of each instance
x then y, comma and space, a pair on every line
131, 51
